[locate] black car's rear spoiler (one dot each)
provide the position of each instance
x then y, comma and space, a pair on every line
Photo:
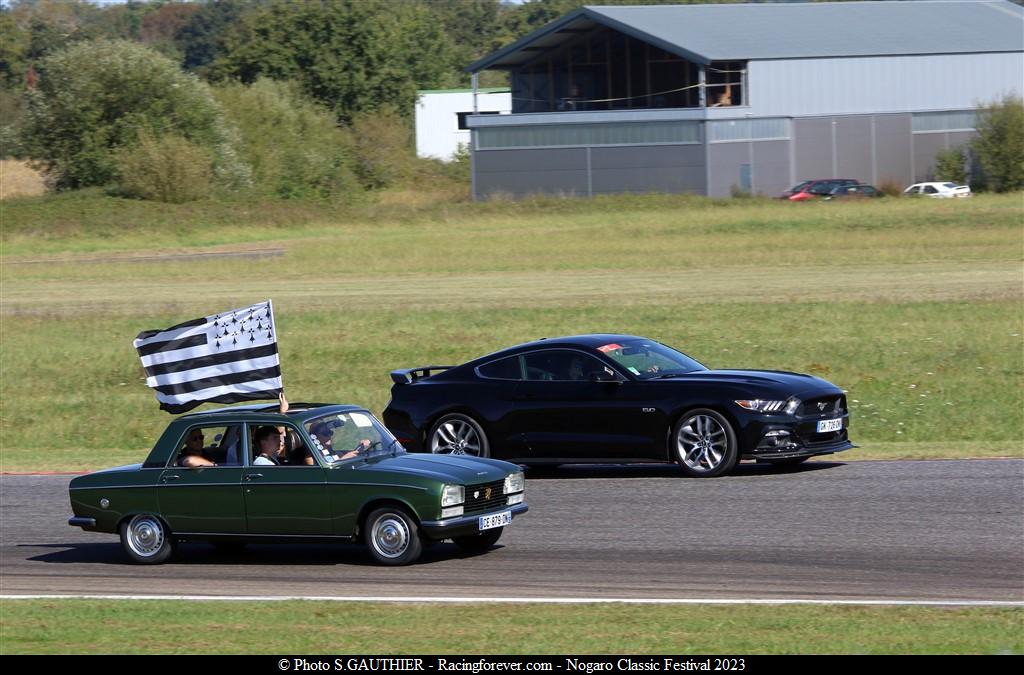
410, 375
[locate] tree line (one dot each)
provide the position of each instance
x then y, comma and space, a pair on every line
296, 98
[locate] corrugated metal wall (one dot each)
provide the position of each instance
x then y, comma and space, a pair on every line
879, 85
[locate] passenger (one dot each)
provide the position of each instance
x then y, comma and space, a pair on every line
295, 451
192, 453
267, 442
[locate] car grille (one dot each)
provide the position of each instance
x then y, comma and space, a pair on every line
477, 498
832, 404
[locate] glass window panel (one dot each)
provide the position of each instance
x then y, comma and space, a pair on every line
614, 133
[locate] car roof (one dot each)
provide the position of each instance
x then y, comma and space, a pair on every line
261, 411
589, 341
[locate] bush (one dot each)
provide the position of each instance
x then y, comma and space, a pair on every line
294, 146
999, 145
169, 168
951, 165
95, 98
384, 148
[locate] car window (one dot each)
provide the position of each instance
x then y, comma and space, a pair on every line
930, 189
821, 189
561, 365
648, 359
502, 369
949, 185
290, 449
218, 444
344, 436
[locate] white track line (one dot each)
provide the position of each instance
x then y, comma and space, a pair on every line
550, 601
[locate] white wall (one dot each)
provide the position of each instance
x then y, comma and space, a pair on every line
878, 84
437, 123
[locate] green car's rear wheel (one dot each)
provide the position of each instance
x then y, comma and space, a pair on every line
146, 539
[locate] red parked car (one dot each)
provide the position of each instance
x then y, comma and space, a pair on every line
815, 189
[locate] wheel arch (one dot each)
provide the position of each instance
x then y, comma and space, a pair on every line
374, 503
679, 413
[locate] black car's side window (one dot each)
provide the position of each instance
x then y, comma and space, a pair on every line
502, 369
561, 365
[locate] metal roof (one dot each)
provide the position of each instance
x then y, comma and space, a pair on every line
705, 33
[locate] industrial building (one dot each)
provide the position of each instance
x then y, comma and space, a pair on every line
711, 99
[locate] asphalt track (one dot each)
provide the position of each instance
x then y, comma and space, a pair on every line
862, 531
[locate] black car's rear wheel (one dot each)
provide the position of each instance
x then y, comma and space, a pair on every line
392, 536
705, 444
478, 543
146, 539
458, 434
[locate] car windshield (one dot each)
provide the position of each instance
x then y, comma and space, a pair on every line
344, 436
648, 359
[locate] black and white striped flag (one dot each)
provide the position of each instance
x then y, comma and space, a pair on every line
224, 358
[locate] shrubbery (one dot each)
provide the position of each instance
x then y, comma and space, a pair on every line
94, 99
999, 145
294, 146
166, 168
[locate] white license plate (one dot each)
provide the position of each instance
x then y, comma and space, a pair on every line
496, 520
824, 426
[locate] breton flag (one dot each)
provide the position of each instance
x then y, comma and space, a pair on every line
224, 358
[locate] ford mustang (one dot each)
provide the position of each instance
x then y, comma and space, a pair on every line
615, 398
319, 473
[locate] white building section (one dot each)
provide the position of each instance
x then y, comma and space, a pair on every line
441, 118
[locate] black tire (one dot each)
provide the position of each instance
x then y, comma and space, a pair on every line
392, 536
478, 543
704, 444
458, 434
146, 539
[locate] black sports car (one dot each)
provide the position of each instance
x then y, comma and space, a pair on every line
615, 398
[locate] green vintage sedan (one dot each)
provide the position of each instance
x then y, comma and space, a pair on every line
249, 474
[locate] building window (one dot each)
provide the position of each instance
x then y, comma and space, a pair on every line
463, 115
959, 120
611, 133
767, 129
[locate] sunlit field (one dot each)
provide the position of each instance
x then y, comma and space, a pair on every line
912, 306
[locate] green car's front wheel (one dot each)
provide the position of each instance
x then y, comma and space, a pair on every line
393, 536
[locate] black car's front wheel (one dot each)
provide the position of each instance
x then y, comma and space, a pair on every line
393, 536
705, 444
458, 434
146, 539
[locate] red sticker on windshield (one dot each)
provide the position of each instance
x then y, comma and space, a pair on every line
609, 348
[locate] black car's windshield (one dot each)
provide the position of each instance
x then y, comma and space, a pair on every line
648, 359
343, 436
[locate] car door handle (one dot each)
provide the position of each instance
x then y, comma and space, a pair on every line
250, 476
172, 476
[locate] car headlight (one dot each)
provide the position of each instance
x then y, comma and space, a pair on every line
515, 482
763, 406
451, 495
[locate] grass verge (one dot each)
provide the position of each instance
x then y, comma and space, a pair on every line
155, 627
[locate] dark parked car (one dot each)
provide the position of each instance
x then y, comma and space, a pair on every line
815, 189
853, 192
344, 477
615, 398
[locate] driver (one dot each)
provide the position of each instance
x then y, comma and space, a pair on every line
323, 432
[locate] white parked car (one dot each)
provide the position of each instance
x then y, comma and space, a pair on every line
938, 190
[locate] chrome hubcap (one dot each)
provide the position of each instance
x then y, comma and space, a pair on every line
702, 443
456, 437
145, 535
390, 536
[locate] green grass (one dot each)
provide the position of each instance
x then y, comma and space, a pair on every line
305, 627
912, 306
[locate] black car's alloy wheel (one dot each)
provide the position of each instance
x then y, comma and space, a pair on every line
478, 543
146, 539
458, 434
393, 536
705, 444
